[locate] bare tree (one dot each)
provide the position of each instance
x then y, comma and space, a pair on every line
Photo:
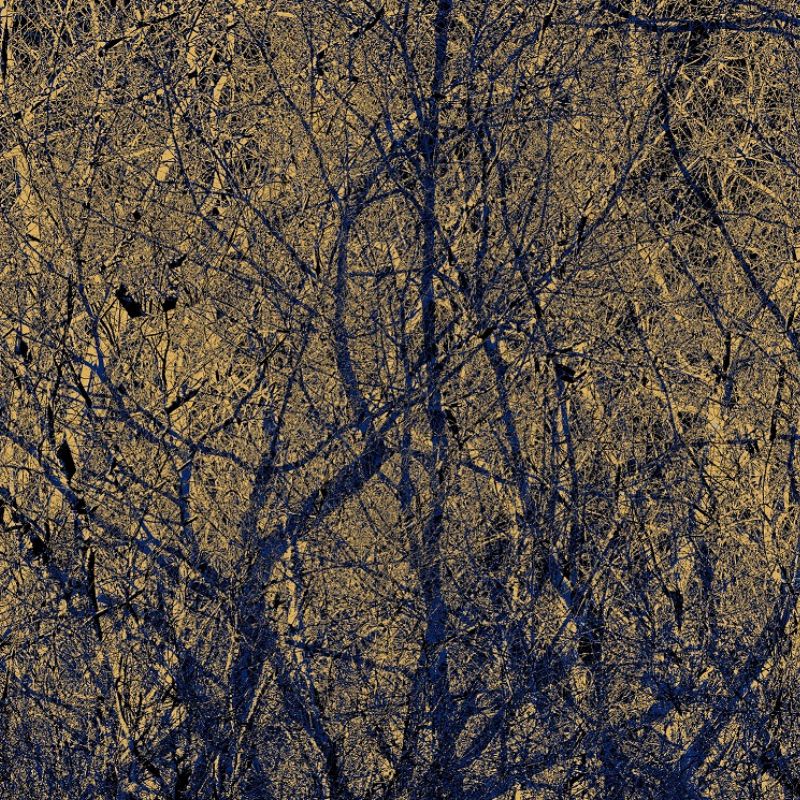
397, 399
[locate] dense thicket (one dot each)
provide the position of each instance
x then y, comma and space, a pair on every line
397, 399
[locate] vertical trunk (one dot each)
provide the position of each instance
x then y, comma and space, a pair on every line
442, 782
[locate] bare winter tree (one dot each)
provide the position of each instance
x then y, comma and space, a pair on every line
397, 399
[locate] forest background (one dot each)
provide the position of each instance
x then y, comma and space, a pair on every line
398, 399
